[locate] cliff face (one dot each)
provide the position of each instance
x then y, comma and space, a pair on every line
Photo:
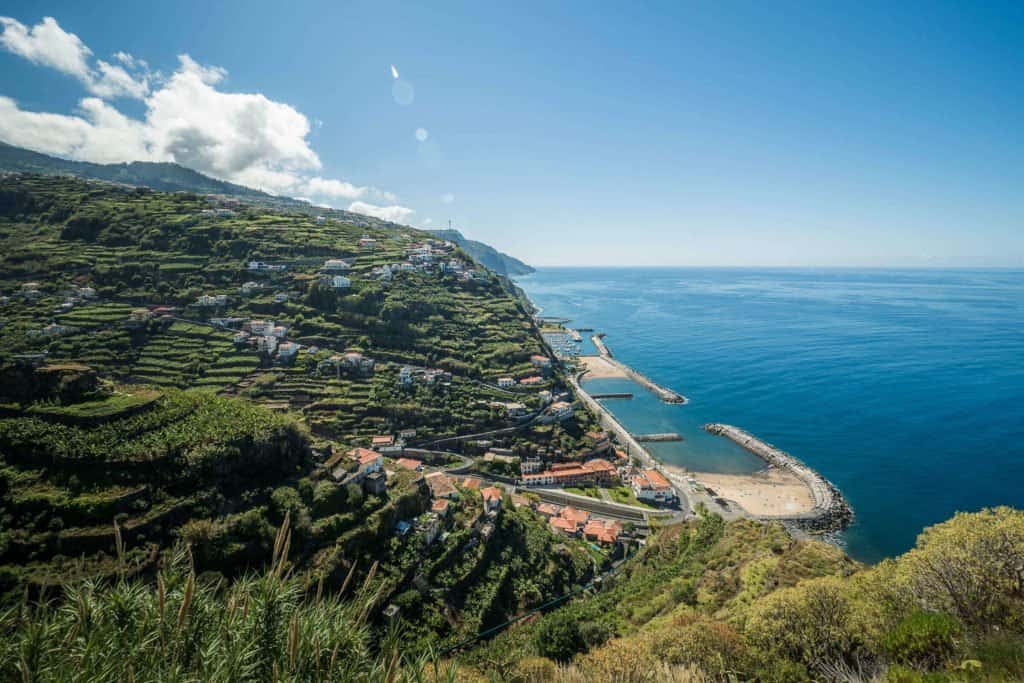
486, 255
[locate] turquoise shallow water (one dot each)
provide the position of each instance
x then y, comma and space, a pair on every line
905, 388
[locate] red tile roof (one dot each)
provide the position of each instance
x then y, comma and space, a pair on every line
383, 440
657, 479
491, 493
365, 456
471, 483
440, 505
409, 463
559, 524
548, 510
599, 465
574, 515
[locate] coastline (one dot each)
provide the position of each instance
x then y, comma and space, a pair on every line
786, 490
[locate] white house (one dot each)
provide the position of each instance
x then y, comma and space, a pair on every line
261, 327
336, 264
561, 410
250, 288
320, 219
340, 282
367, 242
287, 350
506, 382
266, 344
280, 298
405, 375
241, 338
212, 300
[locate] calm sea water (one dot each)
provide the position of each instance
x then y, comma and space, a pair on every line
905, 388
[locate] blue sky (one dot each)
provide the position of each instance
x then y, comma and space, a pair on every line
670, 134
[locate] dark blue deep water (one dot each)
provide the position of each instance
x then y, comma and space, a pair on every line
905, 388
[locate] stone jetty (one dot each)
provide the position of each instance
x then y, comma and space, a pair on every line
831, 511
666, 395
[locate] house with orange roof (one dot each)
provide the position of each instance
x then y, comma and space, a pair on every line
472, 483
577, 517
548, 510
604, 532
492, 498
441, 506
651, 485
410, 464
383, 440
369, 460
563, 525
531, 381
440, 486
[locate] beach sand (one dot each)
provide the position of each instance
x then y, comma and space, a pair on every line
598, 368
768, 493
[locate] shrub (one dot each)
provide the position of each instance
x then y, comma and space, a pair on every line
923, 639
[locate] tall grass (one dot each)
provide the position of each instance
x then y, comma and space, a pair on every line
264, 627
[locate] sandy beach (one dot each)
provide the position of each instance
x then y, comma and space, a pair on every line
769, 493
600, 367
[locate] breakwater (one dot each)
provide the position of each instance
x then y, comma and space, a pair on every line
831, 511
663, 393
665, 436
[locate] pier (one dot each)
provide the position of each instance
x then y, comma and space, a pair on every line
613, 395
665, 394
831, 511
667, 436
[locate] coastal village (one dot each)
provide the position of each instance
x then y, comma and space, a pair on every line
444, 418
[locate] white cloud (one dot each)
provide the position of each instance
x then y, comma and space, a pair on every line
47, 44
244, 138
395, 214
447, 198
329, 187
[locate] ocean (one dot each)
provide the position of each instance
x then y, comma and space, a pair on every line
905, 388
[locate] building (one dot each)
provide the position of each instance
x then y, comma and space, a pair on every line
340, 282
593, 472
540, 362
441, 506
440, 485
375, 483
563, 526
492, 499
512, 410
280, 298
336, 264
367, 242
267, 344
358, 362
368, 460
407, 434
410, 464
652, 486
530, 465
505, 382
428, 526
531, 381
548, 510
286, 351
210, 300
249, 288
472, 483
605, 532
560, 410
383, 440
